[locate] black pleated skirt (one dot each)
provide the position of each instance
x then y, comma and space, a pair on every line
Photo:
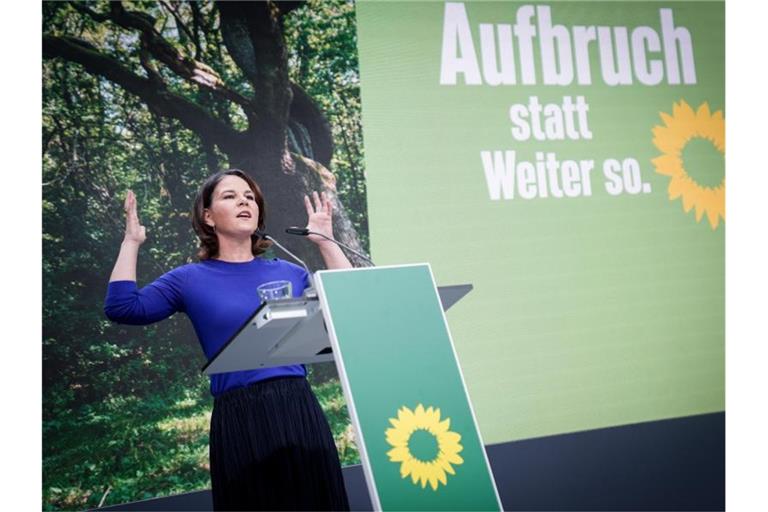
271, 449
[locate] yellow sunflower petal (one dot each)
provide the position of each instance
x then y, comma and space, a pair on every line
713, 204
418, 470
668, 165
684, 114
449, 438
433, 481
397, 437
445, 465
715, 129
406, 468
669, 121
698, 210
405, 415
703, 118
688, 196
419, 414
441, 476
432, 415
451, 450
713, 218
399, 454
454, 458
676, 186
667, 140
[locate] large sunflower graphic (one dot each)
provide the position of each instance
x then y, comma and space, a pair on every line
678, 131
424, 445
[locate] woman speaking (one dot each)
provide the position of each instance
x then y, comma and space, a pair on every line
270, 444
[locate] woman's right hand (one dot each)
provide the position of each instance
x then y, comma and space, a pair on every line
134, 231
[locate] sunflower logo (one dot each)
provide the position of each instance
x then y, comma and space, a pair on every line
681, 130
424, 445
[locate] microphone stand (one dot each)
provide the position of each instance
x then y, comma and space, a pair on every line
305, 232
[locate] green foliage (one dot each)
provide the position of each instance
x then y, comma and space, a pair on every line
124, 448
126, 409
322, 44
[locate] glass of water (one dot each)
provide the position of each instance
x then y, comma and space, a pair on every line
275, 290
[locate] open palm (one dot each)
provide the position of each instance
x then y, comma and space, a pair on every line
134, 231
319, 216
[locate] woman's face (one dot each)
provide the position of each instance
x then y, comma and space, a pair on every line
233, 211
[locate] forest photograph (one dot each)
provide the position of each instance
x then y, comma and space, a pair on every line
154, 97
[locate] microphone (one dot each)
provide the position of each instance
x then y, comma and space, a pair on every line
297, 231
310, 291
304, 232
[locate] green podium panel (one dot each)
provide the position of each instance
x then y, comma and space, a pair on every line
416, 431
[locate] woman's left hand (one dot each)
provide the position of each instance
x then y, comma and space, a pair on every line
320, 215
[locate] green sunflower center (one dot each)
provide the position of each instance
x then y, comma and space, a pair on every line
703, 162
423, 445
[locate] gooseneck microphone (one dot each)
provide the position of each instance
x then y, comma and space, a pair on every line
310, 291
304, 232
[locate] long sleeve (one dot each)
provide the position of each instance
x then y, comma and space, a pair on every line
126, 304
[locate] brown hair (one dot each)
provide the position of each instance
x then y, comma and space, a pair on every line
209, 242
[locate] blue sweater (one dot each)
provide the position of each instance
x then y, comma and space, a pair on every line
217, 296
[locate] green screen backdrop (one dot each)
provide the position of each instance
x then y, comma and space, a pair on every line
566, 158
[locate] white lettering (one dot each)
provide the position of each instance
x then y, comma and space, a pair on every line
526, 180
653, 73
521, 129
611, 169
504, 71
457, 39
564, 54
560, 121
525, 31
505, 176
582, 37
586, 167
615, 68
632, 181
671, 37
556, 71
553, 122
571, 175
499, 173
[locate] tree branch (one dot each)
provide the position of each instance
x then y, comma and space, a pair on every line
177, 16
253, 36
194, 71
155, 94
81, 7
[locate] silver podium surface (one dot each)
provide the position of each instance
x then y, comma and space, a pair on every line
290, 331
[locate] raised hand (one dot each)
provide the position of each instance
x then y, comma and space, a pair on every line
134, 231
319, 216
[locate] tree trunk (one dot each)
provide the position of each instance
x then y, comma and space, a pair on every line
252, 34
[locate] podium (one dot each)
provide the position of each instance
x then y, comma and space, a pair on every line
385, 328
290, 331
